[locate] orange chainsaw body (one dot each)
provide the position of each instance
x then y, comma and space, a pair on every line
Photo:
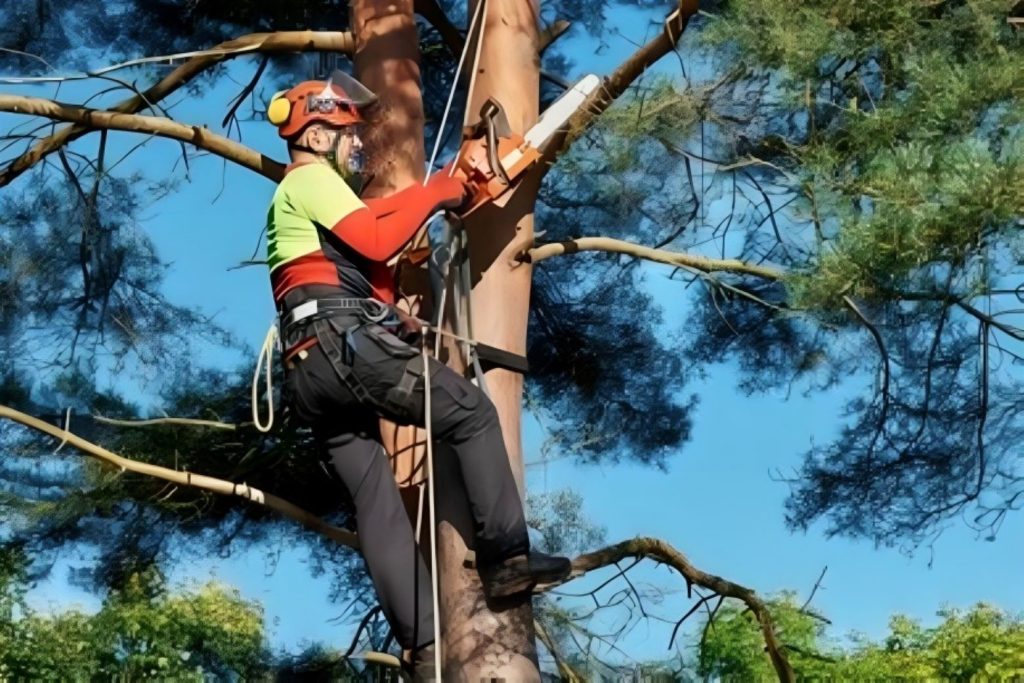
474, 166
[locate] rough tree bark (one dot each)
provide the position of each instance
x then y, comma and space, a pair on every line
478, 642
481, 644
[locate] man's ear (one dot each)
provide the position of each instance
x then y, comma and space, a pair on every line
314, 138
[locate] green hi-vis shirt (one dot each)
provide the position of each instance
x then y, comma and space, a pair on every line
313, 194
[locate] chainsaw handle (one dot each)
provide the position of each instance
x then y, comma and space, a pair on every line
490, 111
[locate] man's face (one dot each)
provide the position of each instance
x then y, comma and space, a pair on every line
343, 142
347, 146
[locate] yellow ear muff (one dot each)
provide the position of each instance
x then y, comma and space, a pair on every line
279, 110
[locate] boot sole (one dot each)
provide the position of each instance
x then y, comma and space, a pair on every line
498, 588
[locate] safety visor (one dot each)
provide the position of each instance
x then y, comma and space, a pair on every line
356, 95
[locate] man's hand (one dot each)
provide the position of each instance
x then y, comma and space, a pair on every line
412, 327
452, 191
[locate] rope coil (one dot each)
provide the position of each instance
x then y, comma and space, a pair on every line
265, 359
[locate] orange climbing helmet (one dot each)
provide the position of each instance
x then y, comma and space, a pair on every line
336, 102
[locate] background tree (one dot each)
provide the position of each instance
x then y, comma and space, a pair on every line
979, 643
141, 631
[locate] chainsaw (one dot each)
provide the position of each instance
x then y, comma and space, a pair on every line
493, 159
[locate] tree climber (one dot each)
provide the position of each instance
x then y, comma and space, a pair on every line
347, 363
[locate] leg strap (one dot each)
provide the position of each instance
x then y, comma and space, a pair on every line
400, 398
339, 354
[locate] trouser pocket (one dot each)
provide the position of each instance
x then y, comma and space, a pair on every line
385, 341
391, 369
466, 394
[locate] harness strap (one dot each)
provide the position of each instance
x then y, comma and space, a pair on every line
326, 335
400, 397
372, 310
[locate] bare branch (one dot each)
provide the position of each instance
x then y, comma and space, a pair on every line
246, 91
96, 73
94, 119
883, 416
814, 590
435, 16
1011, 330
199, 481
552, 32
263, 43
660, 551
673, 258
178, 421
567, 672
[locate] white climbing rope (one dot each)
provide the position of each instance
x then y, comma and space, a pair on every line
455, 84
434, 582
433, 507
265, 359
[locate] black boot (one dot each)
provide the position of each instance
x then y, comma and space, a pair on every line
521, 573
423, 664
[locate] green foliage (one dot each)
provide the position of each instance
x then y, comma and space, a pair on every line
932, 205
142, 631
884, 144
564, 527
912, 140
733, 647
982, 643
662, 111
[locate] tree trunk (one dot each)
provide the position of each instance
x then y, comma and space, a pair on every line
480, 644
477, 643
387, 60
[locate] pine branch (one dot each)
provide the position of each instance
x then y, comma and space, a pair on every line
660, 551
673, 258
552, 32
199, 481
95, 119
435, 16
624, 76
262, 43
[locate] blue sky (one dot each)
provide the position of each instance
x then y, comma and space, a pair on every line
716, 502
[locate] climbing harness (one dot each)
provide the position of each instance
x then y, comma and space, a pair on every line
282, 331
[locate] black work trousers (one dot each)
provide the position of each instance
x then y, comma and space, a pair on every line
347, 431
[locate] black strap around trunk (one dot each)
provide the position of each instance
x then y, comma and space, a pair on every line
492, 357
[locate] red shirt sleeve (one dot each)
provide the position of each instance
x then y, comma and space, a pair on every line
378, 231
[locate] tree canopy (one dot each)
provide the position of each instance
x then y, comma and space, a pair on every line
836, 184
